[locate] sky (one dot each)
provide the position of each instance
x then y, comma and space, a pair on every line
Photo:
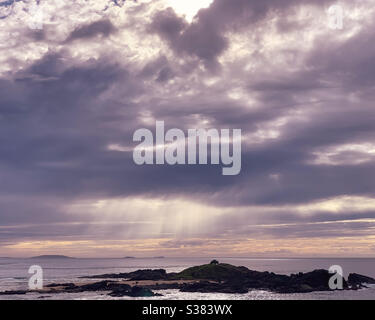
77, 78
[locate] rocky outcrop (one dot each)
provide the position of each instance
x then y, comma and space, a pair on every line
117, 289
133, 292
226, 278
12, 292
55, 285
213, 277
355, 280
147, 274
316, 280
216, 272
232, 279
158, 274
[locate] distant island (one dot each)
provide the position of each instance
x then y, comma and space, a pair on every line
57, 256
209, 278
52, 256
130, 257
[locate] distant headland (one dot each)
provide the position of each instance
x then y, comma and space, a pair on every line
52, 256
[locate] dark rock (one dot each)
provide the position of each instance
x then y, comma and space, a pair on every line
316, 280
105, 285
53, 285
102, 286
355, 279
13, 292
217, 272
213, 277
159, 274
164, 286
133, 292
148, 274
117, 289
233, 279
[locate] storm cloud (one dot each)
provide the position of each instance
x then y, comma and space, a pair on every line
73, 93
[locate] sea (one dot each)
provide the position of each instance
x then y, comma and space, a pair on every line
14, 276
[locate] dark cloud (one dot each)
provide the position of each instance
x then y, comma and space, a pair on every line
102, 27
59, 114
206, 37
159, 70
196, 39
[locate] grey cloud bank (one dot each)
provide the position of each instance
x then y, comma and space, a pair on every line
301, 92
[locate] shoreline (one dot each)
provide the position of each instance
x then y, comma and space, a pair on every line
209, 278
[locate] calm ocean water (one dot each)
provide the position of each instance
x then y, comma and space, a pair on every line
14, 275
